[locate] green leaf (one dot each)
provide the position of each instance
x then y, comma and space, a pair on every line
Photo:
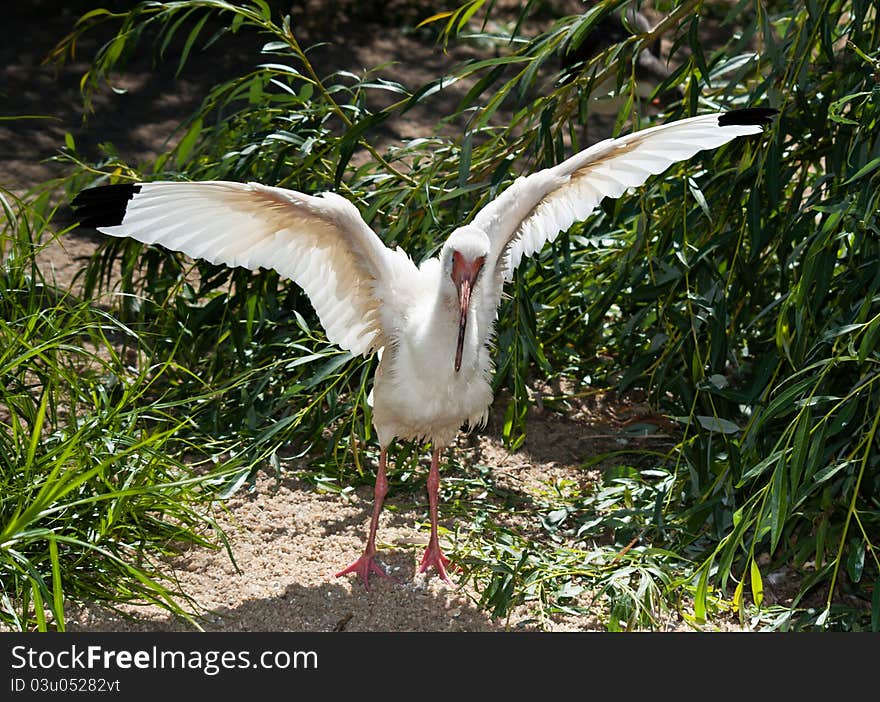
831, 470
435, 18
57, 585
699, 197
855, 560
757, 584
700, 594
835, 109
36, 432
717, 424
784, 402
188, 142
351, 139
778, 502
800, 447
190, 40
870, 340
39, 610
863, 171
265, 10
328, 369
464, 164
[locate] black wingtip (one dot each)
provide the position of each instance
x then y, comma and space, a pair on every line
749, 115
103, 206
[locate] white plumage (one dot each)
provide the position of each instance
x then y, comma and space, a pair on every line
432, 324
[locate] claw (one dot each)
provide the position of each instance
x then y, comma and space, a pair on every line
363, 566
434, 557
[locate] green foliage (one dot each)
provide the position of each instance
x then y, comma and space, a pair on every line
746, 305
738, 292
91, 496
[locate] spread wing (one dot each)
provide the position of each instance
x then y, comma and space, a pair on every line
535, 208
319, 242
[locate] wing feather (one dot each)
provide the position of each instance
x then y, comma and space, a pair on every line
534, 209
320, 242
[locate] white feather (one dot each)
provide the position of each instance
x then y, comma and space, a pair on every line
534, 209
369, 297
435, 367
319, 242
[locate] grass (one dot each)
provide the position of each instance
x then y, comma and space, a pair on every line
92, 496
738, 293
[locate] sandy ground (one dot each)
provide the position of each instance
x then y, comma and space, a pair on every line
288, 540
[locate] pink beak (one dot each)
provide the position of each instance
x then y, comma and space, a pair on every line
464, 274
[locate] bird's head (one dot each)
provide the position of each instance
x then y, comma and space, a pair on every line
463, 257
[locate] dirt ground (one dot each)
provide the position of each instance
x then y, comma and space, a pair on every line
288, 542
290, 539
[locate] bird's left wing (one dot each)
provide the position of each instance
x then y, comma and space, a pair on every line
320, 242
535, 208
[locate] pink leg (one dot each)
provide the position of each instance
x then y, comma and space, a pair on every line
433, 556
366, 564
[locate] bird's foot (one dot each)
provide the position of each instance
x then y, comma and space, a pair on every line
363, 566
434, 557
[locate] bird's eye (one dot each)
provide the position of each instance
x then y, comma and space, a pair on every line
455, 264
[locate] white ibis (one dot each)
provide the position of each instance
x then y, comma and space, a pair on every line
431, 324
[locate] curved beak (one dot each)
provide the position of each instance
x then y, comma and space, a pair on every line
464, 275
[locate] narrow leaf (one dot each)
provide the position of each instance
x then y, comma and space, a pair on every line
700, 596
757, 584
188, 142
57, 585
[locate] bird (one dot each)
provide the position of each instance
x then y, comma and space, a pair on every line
432, 324
650, 68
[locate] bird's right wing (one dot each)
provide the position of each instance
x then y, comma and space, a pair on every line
535, 208
319, 242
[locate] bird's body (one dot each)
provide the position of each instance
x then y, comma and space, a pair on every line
431, 324
417, 393
414, 405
